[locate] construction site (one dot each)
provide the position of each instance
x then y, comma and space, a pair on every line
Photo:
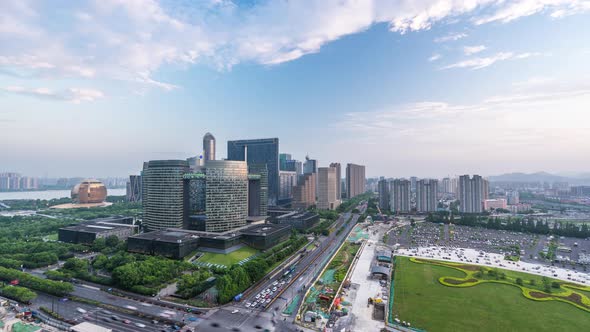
341, 291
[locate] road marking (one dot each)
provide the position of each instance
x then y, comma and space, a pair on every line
90, 287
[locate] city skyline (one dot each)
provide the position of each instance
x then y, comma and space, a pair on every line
487, 87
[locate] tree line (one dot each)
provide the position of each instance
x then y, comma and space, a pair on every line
527, 225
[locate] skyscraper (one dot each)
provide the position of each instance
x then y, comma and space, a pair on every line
413, 181
294, 166
283, 158
310, 165
338, 179
471, 193
355, 180
383, 189
446, 186
327, 188
134, 188
426, 191
257, 190
400, 196
226, 195
208, 147
259, 151
165, 196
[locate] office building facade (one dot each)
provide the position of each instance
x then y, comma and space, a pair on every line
133, 192
165, 196
283, 158
400, 193
226, 195
426, 195
327, 188
355, 180
259, 151
257, 190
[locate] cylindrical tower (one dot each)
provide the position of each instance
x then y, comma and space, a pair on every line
208, 147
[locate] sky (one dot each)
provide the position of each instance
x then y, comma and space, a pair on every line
425, 88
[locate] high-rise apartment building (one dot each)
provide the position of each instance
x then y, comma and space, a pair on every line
339, 179
327, 188
446, 186
413, 181
165, 196
355, 180
513, 197
208, 147
384, 197
401, 197
259, 151
472, 192
287, 180
226, 195
134, 188
426, 191
304, 191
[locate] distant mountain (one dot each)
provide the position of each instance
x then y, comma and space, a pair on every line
539, 177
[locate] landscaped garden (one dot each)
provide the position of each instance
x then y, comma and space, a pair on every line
228, 259
445, 296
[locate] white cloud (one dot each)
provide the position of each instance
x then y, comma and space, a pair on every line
434, 57
450, 37
74, 95
520, 126
469, 50
482, 62
132, 39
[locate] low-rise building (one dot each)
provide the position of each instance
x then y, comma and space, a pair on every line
300, 220
88, 231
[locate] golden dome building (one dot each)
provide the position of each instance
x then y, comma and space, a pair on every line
89, 191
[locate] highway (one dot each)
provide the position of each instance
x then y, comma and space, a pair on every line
270, 317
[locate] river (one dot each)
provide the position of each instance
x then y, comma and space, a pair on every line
50, 194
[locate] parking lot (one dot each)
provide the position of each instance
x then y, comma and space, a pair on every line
528, 247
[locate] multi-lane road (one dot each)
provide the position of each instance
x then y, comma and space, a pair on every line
238, 317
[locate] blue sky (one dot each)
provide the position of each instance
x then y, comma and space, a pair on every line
429, 88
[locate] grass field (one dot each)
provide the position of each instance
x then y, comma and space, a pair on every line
422, 300
228, 259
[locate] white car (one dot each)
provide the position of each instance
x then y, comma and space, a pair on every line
248, 304
140, 325
80, 310
235, 311
257, 296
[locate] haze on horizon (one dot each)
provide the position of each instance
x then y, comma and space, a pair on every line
94, 88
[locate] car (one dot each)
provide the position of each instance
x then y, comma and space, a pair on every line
140, 325
257, 296
268, 301
235, 311
248, 304
80, 310
114, 317
127, 321
154, 321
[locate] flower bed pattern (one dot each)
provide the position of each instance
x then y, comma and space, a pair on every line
567, 291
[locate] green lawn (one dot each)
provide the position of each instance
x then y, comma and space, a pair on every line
228, 259
420, 299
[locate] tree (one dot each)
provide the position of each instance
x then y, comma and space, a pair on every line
519, 281
76, 265
112, 241
556, 285
533, 282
